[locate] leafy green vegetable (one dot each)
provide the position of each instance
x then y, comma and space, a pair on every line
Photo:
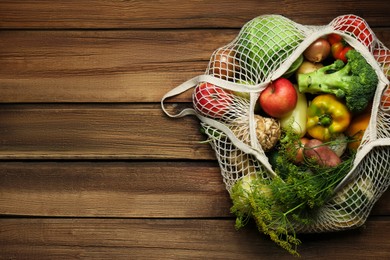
278, 205
265, 43
294, 67
355, 81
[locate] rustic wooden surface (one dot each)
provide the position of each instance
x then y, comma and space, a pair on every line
89, 165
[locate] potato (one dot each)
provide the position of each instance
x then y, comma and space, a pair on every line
322, 154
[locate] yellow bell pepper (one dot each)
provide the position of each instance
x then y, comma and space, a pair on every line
327, 117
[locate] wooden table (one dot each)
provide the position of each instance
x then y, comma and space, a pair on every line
92, 168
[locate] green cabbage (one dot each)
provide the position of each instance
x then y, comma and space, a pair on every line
264, 43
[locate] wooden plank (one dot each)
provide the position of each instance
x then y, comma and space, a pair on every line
106, 66
178, 14
98, 132
113, 189
94, 131
102, 66
183, 239
119, 189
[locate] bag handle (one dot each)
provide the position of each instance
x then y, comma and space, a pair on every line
210, 79
209, 121
176, 91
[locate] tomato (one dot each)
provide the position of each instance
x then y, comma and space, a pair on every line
357, 26
336, 48
343, 53
339, 51
211, 100
334, 38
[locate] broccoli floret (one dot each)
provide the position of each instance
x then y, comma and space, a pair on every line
355, 81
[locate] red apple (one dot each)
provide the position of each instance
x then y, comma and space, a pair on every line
278, 98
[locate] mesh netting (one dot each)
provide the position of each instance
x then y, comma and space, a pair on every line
261, 48
266, 48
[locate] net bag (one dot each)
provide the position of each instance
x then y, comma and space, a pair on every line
225, 99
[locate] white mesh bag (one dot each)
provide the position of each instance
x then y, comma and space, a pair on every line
265, 50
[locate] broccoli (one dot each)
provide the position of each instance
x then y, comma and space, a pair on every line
355, 81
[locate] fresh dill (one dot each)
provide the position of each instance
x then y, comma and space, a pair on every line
284, 204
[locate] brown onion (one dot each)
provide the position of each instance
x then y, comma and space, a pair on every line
224, 64
318, 50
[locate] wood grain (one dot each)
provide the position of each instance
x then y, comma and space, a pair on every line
178, 14
102, 66
180, 239
113, 189
90, 167
106, 66
119, 189
98, 132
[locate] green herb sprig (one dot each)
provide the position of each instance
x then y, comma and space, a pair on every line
280, 205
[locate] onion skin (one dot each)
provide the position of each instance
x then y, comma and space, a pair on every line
224, 63
318, 51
